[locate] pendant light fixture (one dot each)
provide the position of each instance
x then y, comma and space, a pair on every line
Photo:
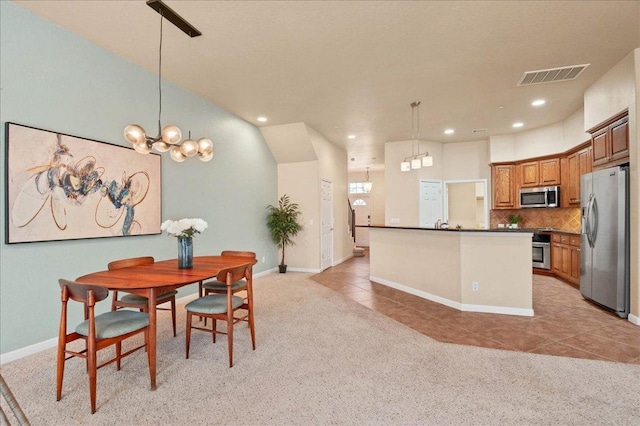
367, 184
419, 160
169, 137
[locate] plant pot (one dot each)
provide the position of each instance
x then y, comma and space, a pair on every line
282, 268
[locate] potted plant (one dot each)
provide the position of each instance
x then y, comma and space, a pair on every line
514, 219
283, 225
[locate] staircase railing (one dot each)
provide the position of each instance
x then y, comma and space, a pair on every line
352, 221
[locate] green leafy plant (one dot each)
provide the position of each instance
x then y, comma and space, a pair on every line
515, 218
283, 225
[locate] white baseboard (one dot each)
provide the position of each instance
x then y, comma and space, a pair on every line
634, 319
453, 304
263, 273
28, 350
344, 259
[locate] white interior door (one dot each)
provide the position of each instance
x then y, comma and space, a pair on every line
430, 203
361, 205
326, 212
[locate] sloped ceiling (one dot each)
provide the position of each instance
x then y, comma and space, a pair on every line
353, 67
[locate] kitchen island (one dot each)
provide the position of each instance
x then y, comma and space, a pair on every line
470, 270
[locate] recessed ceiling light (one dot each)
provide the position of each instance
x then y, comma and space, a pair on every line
518, 124
448, 132
351, 137
538, 102
500, 106
262, 119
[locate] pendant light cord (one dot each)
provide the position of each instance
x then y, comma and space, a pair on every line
160, 77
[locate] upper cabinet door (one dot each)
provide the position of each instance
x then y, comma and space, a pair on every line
550, 172
529, 174
504, 186
620, 139
600, 143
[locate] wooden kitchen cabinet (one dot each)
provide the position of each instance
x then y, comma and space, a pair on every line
610, 142
565, 257
504, 186
578, 163
540, 173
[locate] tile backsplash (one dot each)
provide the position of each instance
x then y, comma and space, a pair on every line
566, 219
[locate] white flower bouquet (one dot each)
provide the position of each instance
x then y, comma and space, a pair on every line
184, 227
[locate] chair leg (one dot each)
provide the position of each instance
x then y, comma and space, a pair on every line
60, 369
146, 346
214, 327
188, 333
230, 338
118, 354
91, 356
173, 314
252, 328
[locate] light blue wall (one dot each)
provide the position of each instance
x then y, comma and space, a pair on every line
54, 80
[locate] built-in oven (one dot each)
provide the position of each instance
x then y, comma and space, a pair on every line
541, 253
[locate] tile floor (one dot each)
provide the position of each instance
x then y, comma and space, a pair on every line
564, 323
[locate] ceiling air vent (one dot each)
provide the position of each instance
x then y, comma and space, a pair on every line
480, 130
552, 75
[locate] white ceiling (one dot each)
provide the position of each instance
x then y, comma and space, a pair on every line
350, 67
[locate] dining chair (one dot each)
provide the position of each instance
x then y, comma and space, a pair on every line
215, 286
222, 307
141, 302
98, 332
218, 287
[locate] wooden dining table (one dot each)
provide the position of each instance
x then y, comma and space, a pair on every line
157, 278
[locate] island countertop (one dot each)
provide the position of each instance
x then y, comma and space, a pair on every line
518, 230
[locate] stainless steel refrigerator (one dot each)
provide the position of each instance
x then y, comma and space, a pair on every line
604, 243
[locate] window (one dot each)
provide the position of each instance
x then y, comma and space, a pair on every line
356, 188
359, 202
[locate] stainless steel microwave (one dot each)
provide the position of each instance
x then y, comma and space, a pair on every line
548, 196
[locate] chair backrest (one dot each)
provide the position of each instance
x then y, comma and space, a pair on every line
80, 292
231, 275
238, 253
132, 261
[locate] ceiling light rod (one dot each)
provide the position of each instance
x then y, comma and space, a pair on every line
416, 161
168, 138
367, 185
174, 18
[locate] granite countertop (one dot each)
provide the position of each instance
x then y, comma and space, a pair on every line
522, 230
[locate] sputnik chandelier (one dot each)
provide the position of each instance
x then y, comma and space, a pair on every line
169, 137
421, 159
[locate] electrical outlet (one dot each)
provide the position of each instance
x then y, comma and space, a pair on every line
475, 286
263, 259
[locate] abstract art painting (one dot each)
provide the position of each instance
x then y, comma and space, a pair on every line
62, 187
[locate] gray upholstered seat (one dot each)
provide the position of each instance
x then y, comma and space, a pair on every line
115, 323
220, 286
213, 304
141, 300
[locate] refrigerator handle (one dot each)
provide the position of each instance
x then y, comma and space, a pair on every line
587, 216
594, 225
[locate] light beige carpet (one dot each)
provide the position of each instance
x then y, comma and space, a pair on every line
323, 359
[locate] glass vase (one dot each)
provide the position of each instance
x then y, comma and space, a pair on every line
185, 252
